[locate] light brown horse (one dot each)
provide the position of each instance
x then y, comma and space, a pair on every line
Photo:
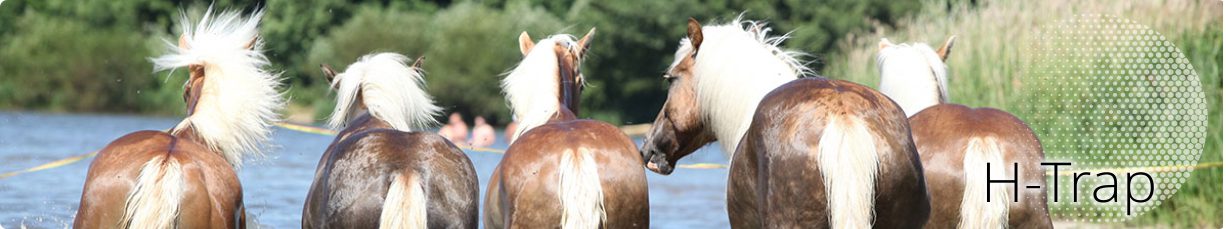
380, 172
185, 177
957, 143
562, 171
809, 152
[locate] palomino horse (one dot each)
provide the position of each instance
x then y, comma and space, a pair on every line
956, 142
814, 153
562, 171
185, 177
379, 172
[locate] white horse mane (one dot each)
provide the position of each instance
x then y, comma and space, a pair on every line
239, 99
736, 65
391, 91
532, 87
913, 75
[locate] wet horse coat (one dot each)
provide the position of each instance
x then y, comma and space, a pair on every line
185, 177
562, 171
378, 172
808, 152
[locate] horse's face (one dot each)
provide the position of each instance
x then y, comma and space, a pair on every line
678, 130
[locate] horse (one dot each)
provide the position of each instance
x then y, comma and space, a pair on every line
955, 142
380, 171
562, 171
807, 152
186, 176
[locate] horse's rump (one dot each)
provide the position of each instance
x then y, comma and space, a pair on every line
837, 145
587, 171
956, 143
422, 177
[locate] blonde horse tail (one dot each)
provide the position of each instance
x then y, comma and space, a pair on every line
405, 203
154, 201
847, 155
579, 191
983, 206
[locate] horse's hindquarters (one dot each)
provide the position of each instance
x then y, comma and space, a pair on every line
832, 153
353, 185
570, 173
151, 178
956, 143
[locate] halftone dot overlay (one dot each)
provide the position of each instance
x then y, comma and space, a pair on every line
1112, 95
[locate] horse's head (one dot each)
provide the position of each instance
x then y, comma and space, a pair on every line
568, 55
548, 80
232, 98
196, 75
384, 86
678, 130
913, 75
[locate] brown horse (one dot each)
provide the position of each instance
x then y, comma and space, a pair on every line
562, 171
186, 177
809, 152
956, 143
379, 172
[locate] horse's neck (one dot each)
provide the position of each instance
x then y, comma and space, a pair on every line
563, 114
732, 110
363, 122
188, 133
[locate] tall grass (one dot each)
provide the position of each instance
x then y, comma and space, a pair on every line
988, 69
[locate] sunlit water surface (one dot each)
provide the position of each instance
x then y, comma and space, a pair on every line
274, 187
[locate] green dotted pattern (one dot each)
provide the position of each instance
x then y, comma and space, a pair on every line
1109, 93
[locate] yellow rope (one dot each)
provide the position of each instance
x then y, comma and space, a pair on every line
53, 164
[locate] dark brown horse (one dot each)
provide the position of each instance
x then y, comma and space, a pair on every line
379, 172
809, 152
562, 171
185, 177
956, 143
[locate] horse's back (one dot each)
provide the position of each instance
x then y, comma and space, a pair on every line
353, 180
784, 141
210, 197
525, 187
942, 134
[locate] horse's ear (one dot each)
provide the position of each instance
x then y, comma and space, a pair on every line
420, 60
885, 43
251, 44
525, 43
948, 46
694, 32
183, 42
585, 42
328, 72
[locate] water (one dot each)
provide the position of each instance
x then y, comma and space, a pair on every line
274, 187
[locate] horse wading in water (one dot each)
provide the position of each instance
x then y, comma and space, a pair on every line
186, 177
562, 171
383, 170
808, 152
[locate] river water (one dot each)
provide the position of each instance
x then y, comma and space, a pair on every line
274, 187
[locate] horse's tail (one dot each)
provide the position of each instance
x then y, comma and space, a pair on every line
847, 155
579, 191
405, 203
983, 206
154, 201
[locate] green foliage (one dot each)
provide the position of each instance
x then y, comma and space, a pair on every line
62, 63
468, 44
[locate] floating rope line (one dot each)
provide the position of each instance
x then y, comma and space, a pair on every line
323, 131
